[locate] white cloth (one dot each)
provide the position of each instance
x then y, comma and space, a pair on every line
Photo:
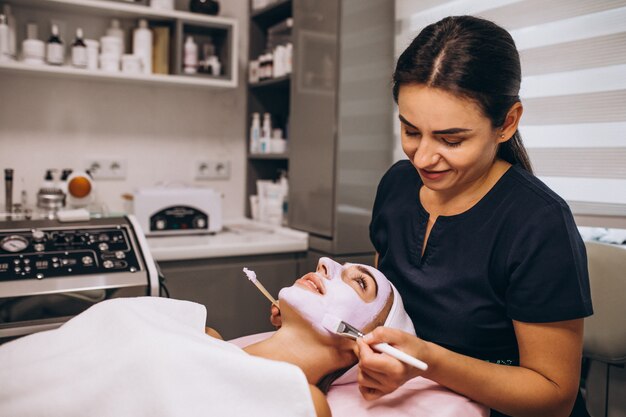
143, 356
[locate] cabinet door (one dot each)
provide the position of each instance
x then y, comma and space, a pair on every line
313, 121
235, 307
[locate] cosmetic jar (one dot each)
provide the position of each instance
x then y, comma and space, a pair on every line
131, 64
109, 62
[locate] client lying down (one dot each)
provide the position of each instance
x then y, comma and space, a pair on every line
150, 356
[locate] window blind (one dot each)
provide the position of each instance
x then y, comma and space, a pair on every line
573, 56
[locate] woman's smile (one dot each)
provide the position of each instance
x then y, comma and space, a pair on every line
432, 175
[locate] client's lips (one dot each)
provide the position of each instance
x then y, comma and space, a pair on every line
312, 282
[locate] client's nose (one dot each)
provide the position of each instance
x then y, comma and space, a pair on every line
326, 267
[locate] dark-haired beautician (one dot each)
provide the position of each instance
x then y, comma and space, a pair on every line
488, 260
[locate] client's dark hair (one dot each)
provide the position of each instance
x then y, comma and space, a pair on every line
473, 58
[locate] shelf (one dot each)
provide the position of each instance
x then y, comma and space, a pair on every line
280, 82
77, 73
268, 156
117, 9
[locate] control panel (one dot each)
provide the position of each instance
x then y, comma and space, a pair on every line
179, 218
60, 252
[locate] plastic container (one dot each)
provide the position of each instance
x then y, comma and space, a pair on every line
79, 50
255, 133
109, 63
33, 49
142, 45
131, 64
112, 45
116, 30
93, 47
190, 61
55, 50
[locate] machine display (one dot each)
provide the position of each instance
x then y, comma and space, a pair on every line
51, 271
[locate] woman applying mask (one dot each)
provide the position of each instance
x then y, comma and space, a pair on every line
487, 258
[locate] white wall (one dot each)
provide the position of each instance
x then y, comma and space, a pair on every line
161, 131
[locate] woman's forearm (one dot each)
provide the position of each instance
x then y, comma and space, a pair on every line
512, 390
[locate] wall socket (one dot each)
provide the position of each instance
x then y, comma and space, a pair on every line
106, 168
212, 169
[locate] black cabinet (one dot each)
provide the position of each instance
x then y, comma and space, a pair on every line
235, 307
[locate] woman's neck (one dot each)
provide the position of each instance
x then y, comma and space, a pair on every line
456, 201
302, 349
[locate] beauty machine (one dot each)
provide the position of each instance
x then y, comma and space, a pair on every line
51, 271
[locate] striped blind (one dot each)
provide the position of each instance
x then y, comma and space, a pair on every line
573, 55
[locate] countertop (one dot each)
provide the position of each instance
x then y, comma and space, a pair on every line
241, 237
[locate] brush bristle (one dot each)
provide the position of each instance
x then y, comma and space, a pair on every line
331, 323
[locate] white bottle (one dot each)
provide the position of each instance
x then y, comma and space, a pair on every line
33, 49
142, 45
5, 53
284, 184
288, 58
12, 30
190, 61
55, 50
255, 133
116, 31
79, 51
266, 133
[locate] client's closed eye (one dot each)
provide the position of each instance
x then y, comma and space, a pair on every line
362, 283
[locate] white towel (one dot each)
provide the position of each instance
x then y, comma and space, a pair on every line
143, 356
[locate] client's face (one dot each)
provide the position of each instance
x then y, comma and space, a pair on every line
353, 293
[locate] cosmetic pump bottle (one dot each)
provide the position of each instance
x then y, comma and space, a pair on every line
191, 56
116, 30
79, 50
255, 133
142, 45
266, 133
33, 49
55, 51
5, 54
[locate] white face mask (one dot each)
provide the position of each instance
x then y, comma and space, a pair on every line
340, 298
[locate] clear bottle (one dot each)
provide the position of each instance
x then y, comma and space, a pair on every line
79, 50
255, 133
142, 45
266, 133
55, 50
191, 56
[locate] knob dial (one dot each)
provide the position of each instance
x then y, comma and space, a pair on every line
38, 235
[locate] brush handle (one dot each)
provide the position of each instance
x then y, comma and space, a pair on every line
265, 293
400, 355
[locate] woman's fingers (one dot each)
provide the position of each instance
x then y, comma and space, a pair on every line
275, 318
379, 373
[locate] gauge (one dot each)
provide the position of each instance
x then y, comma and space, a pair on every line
14, 243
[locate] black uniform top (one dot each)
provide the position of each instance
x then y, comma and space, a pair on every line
514, 255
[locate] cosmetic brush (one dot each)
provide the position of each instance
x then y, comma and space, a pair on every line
341, 328
252, 277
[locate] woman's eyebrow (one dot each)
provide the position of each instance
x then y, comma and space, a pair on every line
369, 274
450, 131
